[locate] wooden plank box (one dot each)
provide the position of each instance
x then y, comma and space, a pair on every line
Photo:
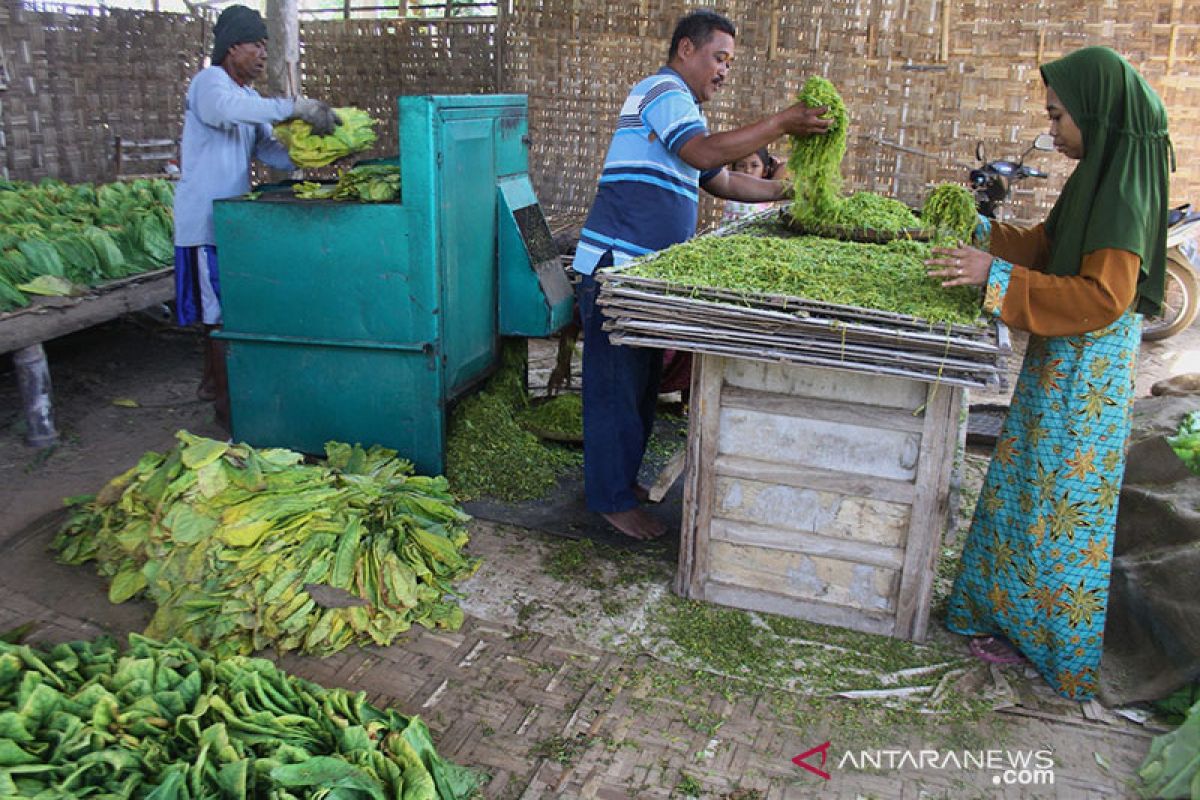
817, 493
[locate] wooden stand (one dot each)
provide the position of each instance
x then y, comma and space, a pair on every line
817, 493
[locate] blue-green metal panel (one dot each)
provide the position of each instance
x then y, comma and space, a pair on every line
468, 244
323, 270
302, 395
535, 296
512, 139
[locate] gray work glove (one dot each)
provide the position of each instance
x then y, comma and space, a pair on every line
317, 114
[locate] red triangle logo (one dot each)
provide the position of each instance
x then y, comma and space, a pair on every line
800, 760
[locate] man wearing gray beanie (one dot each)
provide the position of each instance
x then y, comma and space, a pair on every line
226, 125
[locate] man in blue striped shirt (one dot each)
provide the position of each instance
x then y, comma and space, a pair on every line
660, 156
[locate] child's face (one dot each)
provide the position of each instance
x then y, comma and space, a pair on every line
751, 165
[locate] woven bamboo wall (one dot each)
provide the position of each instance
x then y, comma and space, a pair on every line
925, 74
78, 80
369, 63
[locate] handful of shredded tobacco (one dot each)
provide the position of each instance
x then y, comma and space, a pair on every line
950, 208
816, 162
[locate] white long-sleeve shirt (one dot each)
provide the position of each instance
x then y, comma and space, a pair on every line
225, 125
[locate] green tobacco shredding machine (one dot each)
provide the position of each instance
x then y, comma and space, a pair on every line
361, 322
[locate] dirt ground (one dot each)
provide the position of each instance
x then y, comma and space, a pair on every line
574, 675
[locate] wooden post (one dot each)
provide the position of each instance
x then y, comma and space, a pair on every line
283, 52
500, 37
773, 43
944, 55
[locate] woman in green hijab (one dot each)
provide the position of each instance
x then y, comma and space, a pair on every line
1035, 566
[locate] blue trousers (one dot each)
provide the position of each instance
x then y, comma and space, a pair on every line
620, 394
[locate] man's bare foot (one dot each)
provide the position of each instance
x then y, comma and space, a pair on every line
636, 523
641, 493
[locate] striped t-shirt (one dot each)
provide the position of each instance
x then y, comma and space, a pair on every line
648, 195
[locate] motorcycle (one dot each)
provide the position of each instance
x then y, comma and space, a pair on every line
1181, 295
993, 181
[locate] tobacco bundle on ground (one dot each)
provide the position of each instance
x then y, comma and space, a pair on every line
355, 134
950, 208
887, 277
169, 722
243, 549
369, 183
55, 236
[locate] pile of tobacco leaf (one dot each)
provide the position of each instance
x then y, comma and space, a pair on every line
244, 549
170, 722
56, 237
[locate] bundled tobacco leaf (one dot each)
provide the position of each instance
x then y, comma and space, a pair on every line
369, 183
355, 134
885, 277
243, 549
81, 233
169, 722
950, 208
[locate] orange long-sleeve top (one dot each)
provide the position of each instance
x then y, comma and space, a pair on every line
1062, 305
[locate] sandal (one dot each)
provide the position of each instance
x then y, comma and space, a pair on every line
995, 650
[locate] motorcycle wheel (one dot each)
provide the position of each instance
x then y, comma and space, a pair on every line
1181, 303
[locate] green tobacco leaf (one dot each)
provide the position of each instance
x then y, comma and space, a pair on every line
187, 525
327, 772
126, 584
202, 453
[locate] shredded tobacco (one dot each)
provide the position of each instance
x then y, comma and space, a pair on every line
489, 454
885, 277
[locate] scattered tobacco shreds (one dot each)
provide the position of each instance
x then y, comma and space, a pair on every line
950, 208
781, 650
168, 722
244, 549
887, 277
355, 134
488, 453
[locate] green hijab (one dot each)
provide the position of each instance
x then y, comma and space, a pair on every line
1117, 195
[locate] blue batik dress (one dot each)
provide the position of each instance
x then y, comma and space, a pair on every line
1036, 562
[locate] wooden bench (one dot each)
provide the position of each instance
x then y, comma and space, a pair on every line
134, 158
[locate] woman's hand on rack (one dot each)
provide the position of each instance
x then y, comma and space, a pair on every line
960, 265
